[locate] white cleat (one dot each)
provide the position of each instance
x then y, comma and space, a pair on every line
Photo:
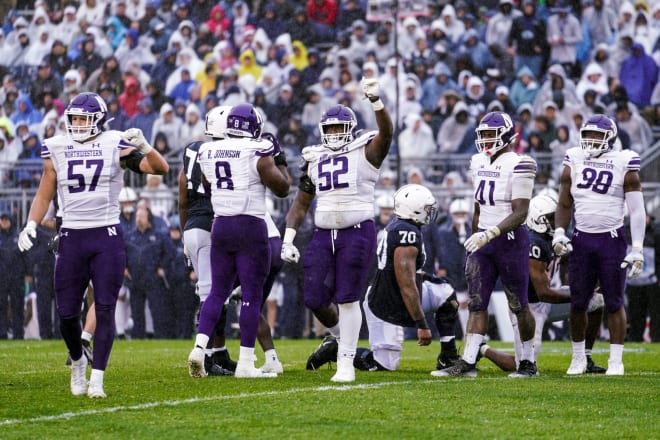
345, 370
246, 370
614, 368
578, 366
79, 376
95, 391
273, 367
196, 363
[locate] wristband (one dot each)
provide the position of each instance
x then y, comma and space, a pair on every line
637, 246
560, 232
289, 235
377, 105
421, 324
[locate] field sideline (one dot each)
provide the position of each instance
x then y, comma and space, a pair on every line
151, 396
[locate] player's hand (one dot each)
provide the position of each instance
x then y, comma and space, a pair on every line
634, 260
135, 137
371, 88
596, 302
424, 336
290, 253
561, 244
236, 297
26, 236
480, 239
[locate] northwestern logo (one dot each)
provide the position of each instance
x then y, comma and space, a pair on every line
112, 231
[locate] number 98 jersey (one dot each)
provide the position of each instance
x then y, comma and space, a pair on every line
597, 187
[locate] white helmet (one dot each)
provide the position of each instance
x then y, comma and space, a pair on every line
216, 121
415, 202
459, 205
127, 195
540, 209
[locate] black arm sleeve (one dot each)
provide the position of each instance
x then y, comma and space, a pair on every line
307, 185
132, 161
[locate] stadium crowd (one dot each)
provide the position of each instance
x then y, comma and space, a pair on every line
161, 65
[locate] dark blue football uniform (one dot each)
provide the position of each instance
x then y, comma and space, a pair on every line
540, 249
385, 299
200, 210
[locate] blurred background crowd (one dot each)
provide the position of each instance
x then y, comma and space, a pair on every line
161, 65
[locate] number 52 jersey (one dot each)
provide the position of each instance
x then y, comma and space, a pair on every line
597, 187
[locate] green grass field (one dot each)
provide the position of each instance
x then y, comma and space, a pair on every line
150, 396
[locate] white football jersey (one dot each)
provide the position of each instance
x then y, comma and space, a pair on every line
345, 182
597, 187
493, 183
89, 178
230, 166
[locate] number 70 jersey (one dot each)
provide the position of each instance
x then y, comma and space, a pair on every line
597, 187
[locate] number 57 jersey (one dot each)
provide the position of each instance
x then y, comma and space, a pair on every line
89, 178
597, 187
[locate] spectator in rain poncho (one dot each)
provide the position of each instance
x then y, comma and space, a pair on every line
593, 78
416, 139
639, 75
453, 129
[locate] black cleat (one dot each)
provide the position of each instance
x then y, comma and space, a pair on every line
213, 369
448, 355
526, 368
460, 368
222, 359
364, 361
87, 351
592, 368
326, 352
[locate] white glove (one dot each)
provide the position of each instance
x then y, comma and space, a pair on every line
25, 242
290, 253
596, 302
634, 260
480, 239
561, 244
135, 137
371, 88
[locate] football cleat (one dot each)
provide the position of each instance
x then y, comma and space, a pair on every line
222, 359
79, 376
592, 368
95, 391
196, 363
326, 352
448, 356
213, 369
614, 368
578, 366
364, 361
272, 367
526, 368
87, 350
460, 369
246, 370
345, 370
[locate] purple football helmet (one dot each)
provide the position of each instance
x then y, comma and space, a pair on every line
597, 135
243, 120
341, 116
495, 132
93, 108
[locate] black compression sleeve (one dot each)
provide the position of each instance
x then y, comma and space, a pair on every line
132, 161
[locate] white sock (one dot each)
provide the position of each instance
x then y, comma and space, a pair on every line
334, 330
578, 349
587, 351
246, 354
528, 350
472, 343
96, 377
350, 321
616, 353
201, 340
271, 355
217, 349
86, 336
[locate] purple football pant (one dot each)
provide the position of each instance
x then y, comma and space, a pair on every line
596, 258
337, 263
96, 254
237, 254
506, 257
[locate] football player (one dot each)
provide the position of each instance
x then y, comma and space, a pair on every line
547, 303
597, 183
238, 169
86, 167
341, 174
499, 244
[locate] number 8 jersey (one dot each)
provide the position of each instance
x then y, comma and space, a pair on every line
597, 187
89, 177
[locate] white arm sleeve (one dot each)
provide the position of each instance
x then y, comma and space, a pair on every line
635, 202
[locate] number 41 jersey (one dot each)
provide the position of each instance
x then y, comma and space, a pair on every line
597, 187
89, 178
